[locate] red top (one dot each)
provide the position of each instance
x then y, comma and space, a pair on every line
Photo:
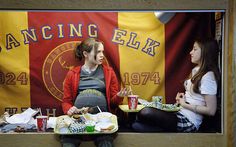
71, 84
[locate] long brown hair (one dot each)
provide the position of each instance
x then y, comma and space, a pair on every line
86, 45
208, 62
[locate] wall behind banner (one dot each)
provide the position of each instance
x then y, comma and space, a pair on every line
37, 52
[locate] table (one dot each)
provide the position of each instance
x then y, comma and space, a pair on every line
125, 108
129, 115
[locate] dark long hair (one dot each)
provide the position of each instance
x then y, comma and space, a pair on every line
208, 62
86, 45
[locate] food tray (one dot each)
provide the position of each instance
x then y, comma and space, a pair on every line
65, 130
164, 107
170, 107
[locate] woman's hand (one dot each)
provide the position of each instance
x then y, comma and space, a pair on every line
83, 110
124, 92
75, 110
180, 99
72, 110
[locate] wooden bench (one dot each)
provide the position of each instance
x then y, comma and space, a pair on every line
122, 140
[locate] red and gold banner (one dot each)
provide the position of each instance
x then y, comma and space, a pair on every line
36, 52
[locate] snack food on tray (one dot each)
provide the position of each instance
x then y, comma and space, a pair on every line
165, 107
104, 117
76, 127
76, 116
103, 122
104, 126
64, 121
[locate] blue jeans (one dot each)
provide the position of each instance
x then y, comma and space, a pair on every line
75, 140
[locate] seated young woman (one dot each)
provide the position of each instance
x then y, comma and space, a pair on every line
90, 85
199, 99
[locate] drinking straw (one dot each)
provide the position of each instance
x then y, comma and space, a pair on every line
84, 117
130, 90
40, 112
99, 109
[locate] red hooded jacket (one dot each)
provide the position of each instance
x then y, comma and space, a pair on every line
71, 83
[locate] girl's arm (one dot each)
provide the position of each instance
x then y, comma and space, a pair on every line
209, 109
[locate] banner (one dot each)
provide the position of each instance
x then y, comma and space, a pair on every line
36, 52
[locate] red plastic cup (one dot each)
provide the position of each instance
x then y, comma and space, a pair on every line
42, 123
132, 102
